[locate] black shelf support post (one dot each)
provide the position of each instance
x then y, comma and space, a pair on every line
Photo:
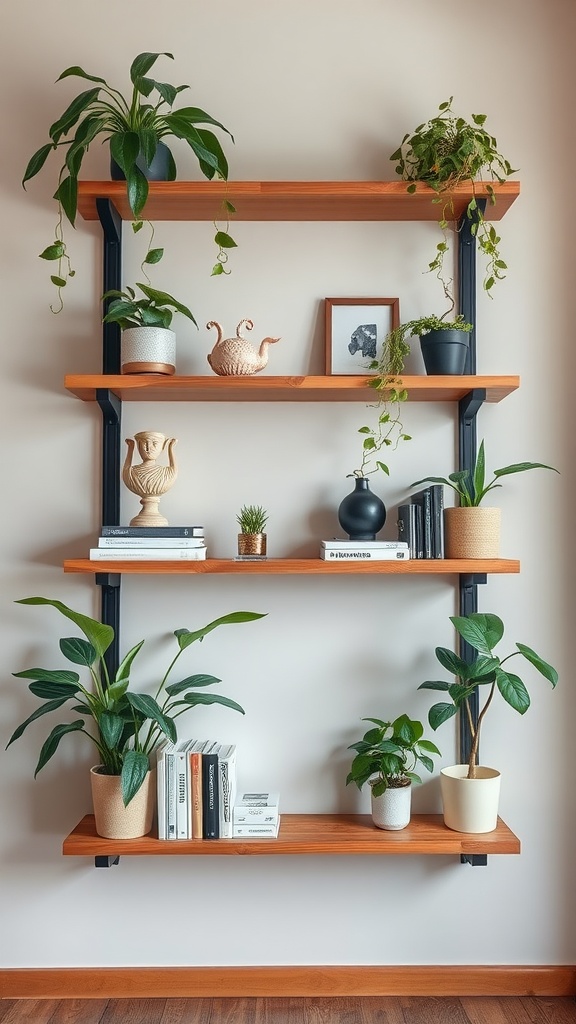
111, 408
468, 408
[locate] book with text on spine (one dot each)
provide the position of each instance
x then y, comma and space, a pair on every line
195, 751
372, 545
161, 788
365, 555
406, 523
226, 786
152, 531
257, 830
210, 796
147, 554
151, 542
256, 809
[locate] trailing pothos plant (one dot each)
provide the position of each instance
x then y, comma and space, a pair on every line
447, 151
125, 727
483, 633
134, 128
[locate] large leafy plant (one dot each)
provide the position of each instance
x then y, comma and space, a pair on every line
126, 726
134, 127
447, 151
483, 632
386, 755
471, 485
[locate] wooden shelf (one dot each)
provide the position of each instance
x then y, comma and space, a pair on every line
162, 388
297, 566
294, 200
315, 834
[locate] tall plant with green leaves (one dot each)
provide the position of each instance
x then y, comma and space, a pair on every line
447, 151
134, 128
483, 633
126, 727
471, 485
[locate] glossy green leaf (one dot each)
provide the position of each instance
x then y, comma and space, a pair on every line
482, 632
542, 666
37, 161
111, 727
53, 252
186, 637
53, 691
44, 709
99, 634
78, 651
440, 713
48, 675
143, 62
134, 770
194, 699
191, 681
223, 239
51, 744
513, 690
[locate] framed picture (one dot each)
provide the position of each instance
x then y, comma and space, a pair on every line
355, 330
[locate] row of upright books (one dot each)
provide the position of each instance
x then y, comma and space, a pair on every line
197, 795
149, 543
421, 523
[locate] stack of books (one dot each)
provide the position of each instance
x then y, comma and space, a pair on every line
421, 523
196, 789
147, 543
365, 550
256, 815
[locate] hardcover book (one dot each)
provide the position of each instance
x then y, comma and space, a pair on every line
258, 830
256, 809
366, 554
152, 531
226, 786
423, 500
210, 796
150, 542
373, 545
406, 523
437, 495
131, 554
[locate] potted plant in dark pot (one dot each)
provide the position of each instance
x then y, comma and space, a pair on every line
470, 792
124, 726
472, 530
385, 758
444, 343
135, 129
148, 344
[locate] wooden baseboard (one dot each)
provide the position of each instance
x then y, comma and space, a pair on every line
236, 982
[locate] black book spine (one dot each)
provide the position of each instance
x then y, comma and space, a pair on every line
437, 495
152, 531
210, 797
423, 501
406, 523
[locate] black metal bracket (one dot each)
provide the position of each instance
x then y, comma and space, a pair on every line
106, 862
476, 860
112, 279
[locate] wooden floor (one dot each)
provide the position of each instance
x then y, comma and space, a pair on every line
365, 1010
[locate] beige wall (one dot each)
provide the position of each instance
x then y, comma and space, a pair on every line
310, 90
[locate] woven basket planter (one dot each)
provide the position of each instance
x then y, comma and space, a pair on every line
472, 532
113, 819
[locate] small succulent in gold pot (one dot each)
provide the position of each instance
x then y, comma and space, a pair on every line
252, 520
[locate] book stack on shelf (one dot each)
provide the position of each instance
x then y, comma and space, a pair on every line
196, 788
365, 550
147, 543
256, 815
421, 523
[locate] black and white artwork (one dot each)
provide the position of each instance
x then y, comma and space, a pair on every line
355, 331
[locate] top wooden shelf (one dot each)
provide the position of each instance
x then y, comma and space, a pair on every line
295, 200
152, 387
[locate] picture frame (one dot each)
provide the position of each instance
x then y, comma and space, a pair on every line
355, 331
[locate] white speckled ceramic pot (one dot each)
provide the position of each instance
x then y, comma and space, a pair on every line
391, 811
148, 350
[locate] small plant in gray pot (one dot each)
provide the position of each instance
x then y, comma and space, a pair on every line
385, 758
470, 792
148, 344
252, 521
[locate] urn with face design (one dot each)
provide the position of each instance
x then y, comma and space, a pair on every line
147, 479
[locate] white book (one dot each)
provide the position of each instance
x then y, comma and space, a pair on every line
256, 808
161, 788
182, 768
147, 554
151, 542
226, 787
356, 554
373, 545
257, 831
170, 790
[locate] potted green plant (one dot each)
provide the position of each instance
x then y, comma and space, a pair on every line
444, 345
470, 792
124, 726
148, 344
135, 129
445, 152
385, 758
472, 531
252, 521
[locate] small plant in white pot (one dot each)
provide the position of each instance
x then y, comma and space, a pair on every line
470, 791
148, 344
385, 758
472, 531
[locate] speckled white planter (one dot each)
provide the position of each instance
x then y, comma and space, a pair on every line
148, 350
391, 811
470, 805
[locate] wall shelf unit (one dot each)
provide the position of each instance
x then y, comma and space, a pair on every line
306, 834
297, 566
161, 388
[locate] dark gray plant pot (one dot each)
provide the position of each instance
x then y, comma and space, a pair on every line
445, 352
157, 171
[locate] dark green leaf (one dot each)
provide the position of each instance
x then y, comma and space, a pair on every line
224, 240
67, 195
44, 709
440, 713
143, 62
150, 708
435, 684
451, 662
513, 690
190, 681
186, 637
52, 691
135, 768
37, 162
543, 667
78, 651
482, 632
51, 744
194, 699
521, 467
111, 727
154, 256
48, 675
72, 113
99, 635
58, 281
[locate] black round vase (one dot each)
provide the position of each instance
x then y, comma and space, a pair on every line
158, 170
361, 513
445, 352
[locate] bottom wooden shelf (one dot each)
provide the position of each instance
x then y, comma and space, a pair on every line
317, 834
